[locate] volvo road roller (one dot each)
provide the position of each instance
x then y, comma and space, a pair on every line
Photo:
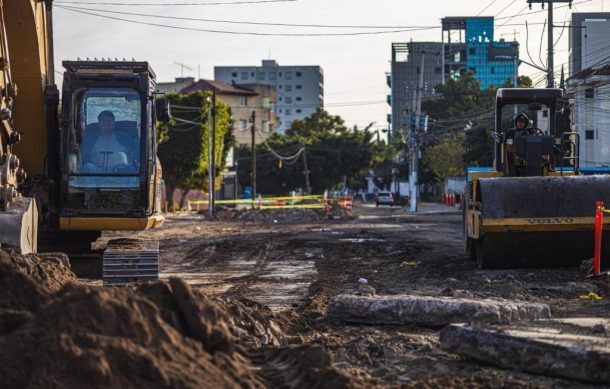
533, 209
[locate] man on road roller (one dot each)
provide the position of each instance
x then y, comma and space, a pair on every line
533, 209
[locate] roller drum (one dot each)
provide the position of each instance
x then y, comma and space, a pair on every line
542, 203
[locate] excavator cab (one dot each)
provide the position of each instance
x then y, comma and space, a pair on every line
109, 166
109, 174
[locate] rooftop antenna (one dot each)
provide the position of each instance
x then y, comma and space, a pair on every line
514, 34
182, 67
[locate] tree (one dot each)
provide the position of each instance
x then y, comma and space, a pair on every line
462, 107
446, 157
334, 154
183, 142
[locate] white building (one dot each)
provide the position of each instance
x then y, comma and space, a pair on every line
588, 33
590, 93
300, 89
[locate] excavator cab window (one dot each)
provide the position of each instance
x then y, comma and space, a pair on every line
104, 156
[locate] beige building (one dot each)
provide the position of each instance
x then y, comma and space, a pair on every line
243, 101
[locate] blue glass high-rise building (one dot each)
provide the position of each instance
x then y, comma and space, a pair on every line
470, 47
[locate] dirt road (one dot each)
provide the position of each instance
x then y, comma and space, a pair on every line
296, 268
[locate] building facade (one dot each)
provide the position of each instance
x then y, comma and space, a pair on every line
467, 46
299, 89
407, 60
589, 91
243, 101
470, 48
588, 40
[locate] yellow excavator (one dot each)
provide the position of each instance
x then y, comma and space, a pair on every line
69, 171
534, 208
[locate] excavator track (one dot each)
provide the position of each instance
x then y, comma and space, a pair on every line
130, 260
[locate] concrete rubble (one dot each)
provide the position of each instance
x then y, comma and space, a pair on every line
430, 311
576, 348
289, 215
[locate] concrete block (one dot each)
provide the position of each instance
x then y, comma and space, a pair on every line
430, 311
577, 349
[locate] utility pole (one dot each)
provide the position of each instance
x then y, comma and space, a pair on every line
413, 137
306, 172
550, 77
253, 129
210, 162
213, 159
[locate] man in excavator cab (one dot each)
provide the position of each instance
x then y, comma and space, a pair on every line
105, 150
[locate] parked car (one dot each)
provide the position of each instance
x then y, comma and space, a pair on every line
384, 198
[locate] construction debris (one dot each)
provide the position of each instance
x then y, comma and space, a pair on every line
577, 348
430, 311
289, 215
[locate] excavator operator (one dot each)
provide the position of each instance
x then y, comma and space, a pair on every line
108, 151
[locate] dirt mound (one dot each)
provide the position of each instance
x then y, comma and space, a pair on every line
152, 335
292, 215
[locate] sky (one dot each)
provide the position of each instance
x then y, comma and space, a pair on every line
354, 65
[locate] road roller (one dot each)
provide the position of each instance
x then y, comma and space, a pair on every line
533, 208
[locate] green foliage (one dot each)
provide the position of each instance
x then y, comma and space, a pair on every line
446, 157
461, 108
183, 143
334, 153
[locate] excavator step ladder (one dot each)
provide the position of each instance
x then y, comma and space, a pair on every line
130, 260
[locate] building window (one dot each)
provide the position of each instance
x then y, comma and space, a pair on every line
545, 113
281, 98
493, 70
299, 86
299, 110
288, 75
251, 74
438, 70
472, 51
288, 112
243, 125
244, 75
280, 111
299, 98
288, 100
280, 87
234, 74
418, 70
589, 134
273, 76
261, 76
299, 74
265, 126
280, 74
589, 93
243, 101
288, 88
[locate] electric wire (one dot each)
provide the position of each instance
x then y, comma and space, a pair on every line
240, 32
120, 4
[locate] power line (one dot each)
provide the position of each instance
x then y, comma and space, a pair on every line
171, 4
488, 5
239, 21
240, 32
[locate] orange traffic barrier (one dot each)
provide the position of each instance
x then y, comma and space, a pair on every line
597, 250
